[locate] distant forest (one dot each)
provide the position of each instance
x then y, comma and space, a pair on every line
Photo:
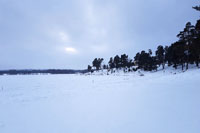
44, 71
183, 52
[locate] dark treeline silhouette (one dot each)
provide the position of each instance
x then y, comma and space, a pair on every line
47, 71
183, 52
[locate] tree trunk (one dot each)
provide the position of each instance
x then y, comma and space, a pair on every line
197, 64
187, 66
175, 66
182, 66
163, 65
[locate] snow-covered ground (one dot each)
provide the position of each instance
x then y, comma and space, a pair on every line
161, 102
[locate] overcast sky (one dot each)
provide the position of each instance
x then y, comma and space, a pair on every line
40, 34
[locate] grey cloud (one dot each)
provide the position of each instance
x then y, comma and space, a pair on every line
35, 33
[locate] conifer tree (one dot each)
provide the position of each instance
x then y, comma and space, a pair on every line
160, 56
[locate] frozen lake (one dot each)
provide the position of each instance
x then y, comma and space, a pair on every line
154, 103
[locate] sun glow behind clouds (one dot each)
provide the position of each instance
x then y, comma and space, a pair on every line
71, 50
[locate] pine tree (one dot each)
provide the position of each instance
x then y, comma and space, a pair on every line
124, 61
160, 56
117, 61
97, 63
145, 61
111, 63
89, 68
186, 36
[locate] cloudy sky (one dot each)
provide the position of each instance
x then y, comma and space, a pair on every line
40, 34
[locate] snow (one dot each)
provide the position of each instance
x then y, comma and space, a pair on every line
162, 102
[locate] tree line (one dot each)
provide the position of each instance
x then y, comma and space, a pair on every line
44, 71
183, 52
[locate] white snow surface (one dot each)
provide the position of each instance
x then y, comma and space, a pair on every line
160, 102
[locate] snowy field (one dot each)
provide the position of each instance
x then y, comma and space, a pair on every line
120, 103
